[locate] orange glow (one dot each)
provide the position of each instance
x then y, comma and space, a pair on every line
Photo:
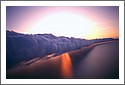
103, 33
66, 66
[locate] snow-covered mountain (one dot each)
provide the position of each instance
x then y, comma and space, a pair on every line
21, 47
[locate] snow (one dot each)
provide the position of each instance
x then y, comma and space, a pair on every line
22, 47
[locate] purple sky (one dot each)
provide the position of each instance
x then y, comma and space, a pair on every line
33, 19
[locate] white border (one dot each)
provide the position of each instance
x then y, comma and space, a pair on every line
62, 3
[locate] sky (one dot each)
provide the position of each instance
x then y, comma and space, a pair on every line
88, 22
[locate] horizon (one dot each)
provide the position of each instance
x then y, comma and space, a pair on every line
85, 22
62, 36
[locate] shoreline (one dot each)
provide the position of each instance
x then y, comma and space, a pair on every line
59, 67
83, 50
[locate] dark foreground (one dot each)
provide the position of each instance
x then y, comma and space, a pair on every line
98, 61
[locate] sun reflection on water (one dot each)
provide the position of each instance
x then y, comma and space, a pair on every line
66, 66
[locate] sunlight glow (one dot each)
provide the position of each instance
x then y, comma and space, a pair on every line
63, 24
66, 66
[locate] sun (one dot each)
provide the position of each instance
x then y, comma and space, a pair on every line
63, 24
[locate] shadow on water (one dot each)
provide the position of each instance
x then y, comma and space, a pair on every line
101, 63
78, 55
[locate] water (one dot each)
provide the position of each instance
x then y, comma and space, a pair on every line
101, 63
